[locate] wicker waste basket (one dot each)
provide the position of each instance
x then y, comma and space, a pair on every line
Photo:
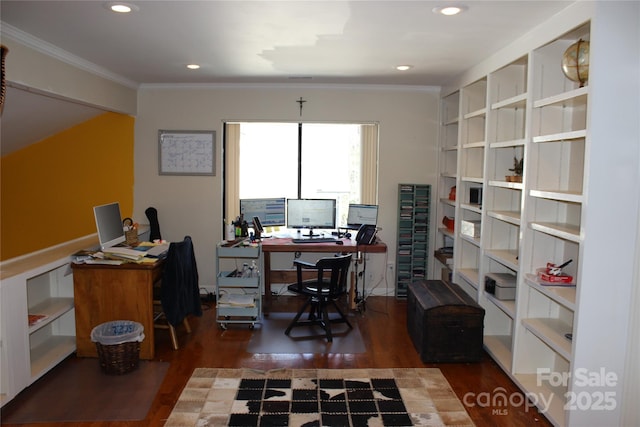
118, 345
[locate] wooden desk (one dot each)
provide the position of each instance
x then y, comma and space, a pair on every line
103, 293
273, 245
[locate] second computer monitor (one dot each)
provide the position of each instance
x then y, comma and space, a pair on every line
360, 214
271, 212
311, 214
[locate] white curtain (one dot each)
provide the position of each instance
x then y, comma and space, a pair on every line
369, 191
232, 172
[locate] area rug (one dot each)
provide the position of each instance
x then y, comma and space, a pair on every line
269, 337
77, 390
318, 397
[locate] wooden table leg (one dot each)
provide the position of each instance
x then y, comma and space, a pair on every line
352, 291
267, 281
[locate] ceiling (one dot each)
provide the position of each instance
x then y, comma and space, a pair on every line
260, 42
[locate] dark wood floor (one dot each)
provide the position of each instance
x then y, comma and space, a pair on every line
383, 327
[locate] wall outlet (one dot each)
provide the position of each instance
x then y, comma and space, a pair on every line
390, 268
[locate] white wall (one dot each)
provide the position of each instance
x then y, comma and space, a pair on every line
36, 65
190, 205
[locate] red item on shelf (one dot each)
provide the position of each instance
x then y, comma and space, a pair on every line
36, 318
448, 222
452, 193
562, 279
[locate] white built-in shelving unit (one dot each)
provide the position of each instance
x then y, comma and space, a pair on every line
525, 107
448, 174
36, 284
472, 147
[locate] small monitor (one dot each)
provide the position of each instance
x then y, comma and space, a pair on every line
360, 214
109, 225
270, 212
311, 213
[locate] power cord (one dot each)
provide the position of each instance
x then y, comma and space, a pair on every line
207, 298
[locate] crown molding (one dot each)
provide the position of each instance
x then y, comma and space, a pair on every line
53, 51
324, 86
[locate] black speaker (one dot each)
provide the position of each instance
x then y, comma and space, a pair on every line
475, 196
154, 225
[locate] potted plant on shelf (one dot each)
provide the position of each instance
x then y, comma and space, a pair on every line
518, 166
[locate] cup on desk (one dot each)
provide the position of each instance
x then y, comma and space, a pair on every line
231, 232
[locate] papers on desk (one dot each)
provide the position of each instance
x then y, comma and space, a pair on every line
237, 300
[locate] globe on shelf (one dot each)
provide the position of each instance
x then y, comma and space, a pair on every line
575, 62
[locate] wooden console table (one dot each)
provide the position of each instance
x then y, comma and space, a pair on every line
104, 293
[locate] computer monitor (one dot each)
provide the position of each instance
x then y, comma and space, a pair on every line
360, 214
270, 212
109, 225
311, 213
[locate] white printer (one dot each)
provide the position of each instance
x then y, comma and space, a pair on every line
501, 285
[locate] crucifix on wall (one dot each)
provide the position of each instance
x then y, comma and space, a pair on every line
301, 101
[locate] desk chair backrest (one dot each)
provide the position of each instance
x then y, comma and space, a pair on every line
154, 225
332, 275
180, 292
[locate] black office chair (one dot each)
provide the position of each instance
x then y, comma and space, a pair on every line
328, 286
179, 294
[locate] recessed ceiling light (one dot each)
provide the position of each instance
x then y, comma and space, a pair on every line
193, 66
120, 7
449, 10
404, 67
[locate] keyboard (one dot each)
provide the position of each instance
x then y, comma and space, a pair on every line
316, 240
123, 252
103, 261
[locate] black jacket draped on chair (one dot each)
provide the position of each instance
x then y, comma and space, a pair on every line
180, 293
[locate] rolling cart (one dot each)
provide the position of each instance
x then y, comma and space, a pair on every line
239, 290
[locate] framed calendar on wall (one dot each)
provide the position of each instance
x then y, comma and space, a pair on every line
186, 152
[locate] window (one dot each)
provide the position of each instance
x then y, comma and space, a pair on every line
300, 160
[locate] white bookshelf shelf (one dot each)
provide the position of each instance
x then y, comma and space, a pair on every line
563, 295
518, 101
499, 347
561, 230
551, 332
571, 98
512, 217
